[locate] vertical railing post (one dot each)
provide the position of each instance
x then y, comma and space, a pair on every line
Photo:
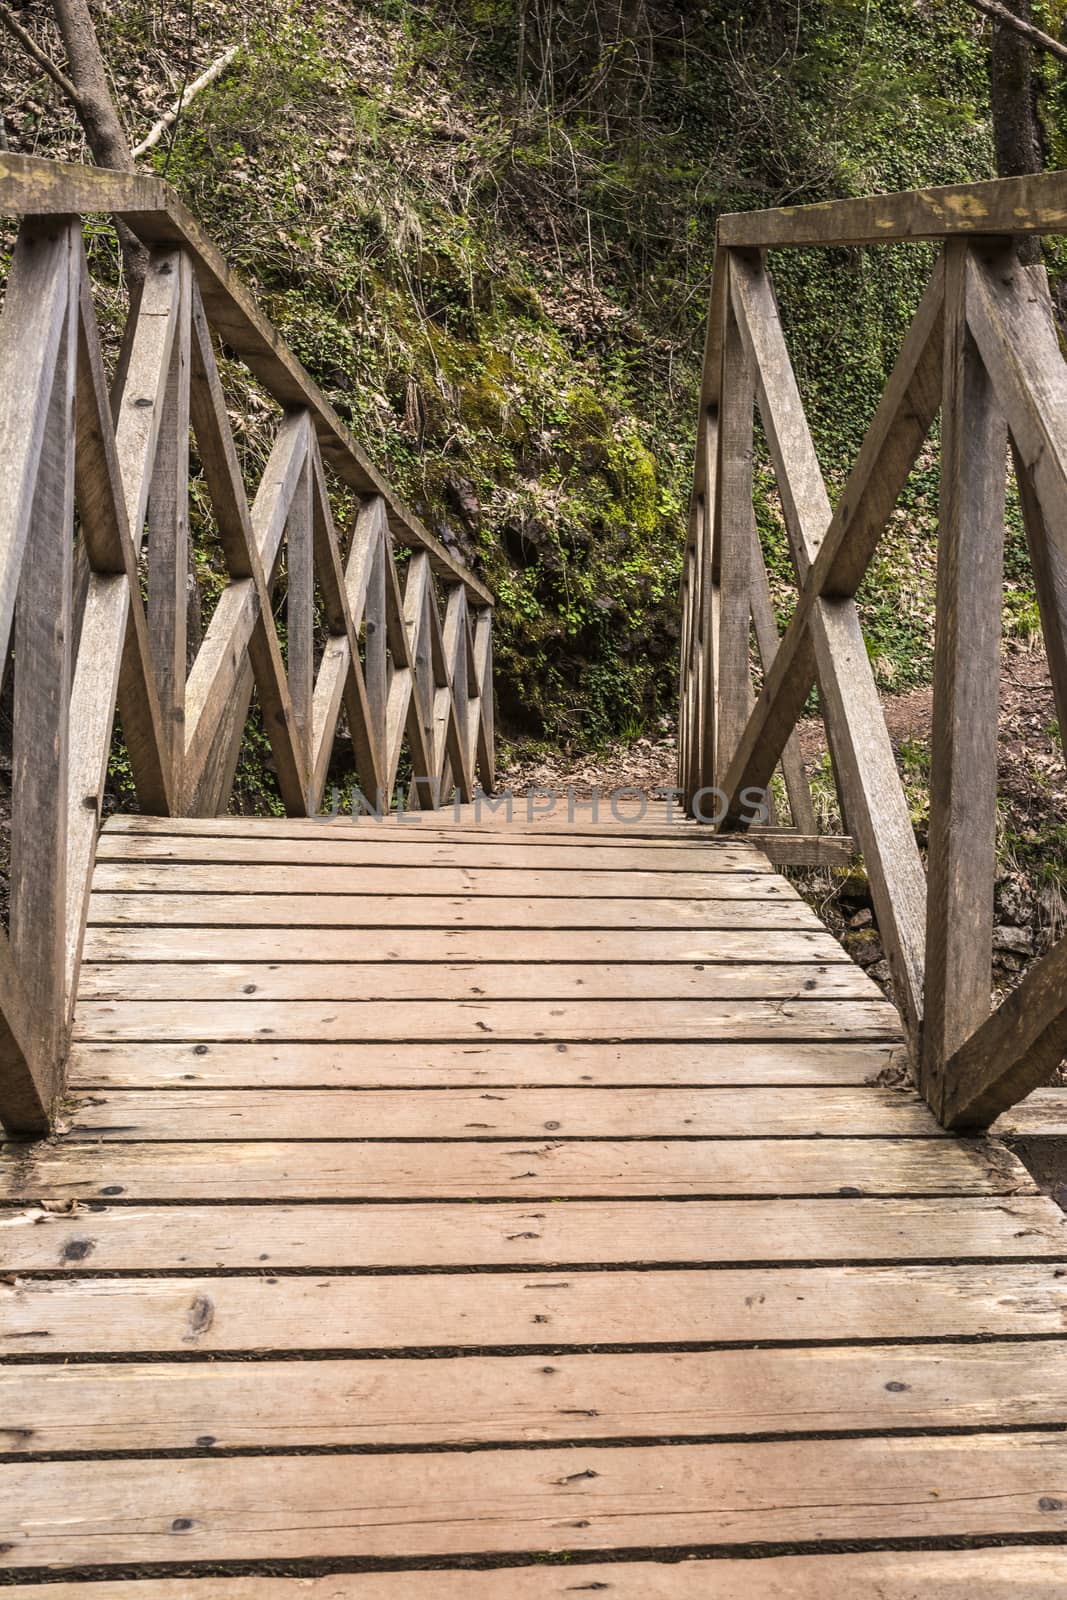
731, 565
961, 868
42, 679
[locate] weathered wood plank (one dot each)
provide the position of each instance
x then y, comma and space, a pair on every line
412, 1066
1014, 1050
417, 851
478, 1399
506, 1113
734, 538
43, 633
430, 910
334, 1237
432, 1504
487, 1168
163, 943
1002, 1573
962, 852
1029, 205
286, 878
433, 1020
258, 982
444, 1311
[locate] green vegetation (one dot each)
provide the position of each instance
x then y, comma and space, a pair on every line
492, 249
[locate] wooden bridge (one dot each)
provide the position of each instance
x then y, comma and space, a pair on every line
449, 1204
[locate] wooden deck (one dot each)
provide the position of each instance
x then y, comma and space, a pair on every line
531, 1198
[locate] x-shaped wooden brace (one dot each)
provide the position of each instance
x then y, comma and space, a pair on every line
831, 551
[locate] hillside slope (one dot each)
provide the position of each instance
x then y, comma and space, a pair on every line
491, 245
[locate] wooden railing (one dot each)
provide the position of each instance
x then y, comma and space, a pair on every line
983, 351
94, 511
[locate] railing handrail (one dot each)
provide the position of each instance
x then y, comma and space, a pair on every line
983, 350
1033, 205
32, 186
96, 504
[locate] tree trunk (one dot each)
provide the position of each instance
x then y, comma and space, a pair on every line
96, 111
1017, 132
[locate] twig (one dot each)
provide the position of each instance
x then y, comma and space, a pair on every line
1040, 41
169, 118
43, 60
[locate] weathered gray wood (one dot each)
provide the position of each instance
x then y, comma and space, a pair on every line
1034, 204
392, 981
32, 331
430, 1020
42, 668
27, 1067
961, 858
733, 540
648, 946
122, 1115
266, 1065
444, 1311
1015, 1050
441, 910
772, 1492
300, 608
1000, 1573
168, 537
523, 1171
476, 1399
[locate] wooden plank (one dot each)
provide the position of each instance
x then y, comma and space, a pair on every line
32, 331
1043, 1114
412, 1066
446, 1311
113, 590
1015, 1050
451, 822
487, 1168
168, 535
733, 541
43, 633
327, 1237
284, 878
26, 1067
1001, 1573
1028, 205
418, 851
433, 1504
474, 1114
962, 852
159, 942
486, 1400
432, 1020
300, 609
429, 910
258, 982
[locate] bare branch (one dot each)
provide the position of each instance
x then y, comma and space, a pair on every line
1039, 40
39, 56
169, 118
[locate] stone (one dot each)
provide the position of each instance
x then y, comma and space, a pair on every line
1019, 941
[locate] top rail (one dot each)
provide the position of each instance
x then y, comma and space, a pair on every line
1032, 205
32, 186
983, 350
